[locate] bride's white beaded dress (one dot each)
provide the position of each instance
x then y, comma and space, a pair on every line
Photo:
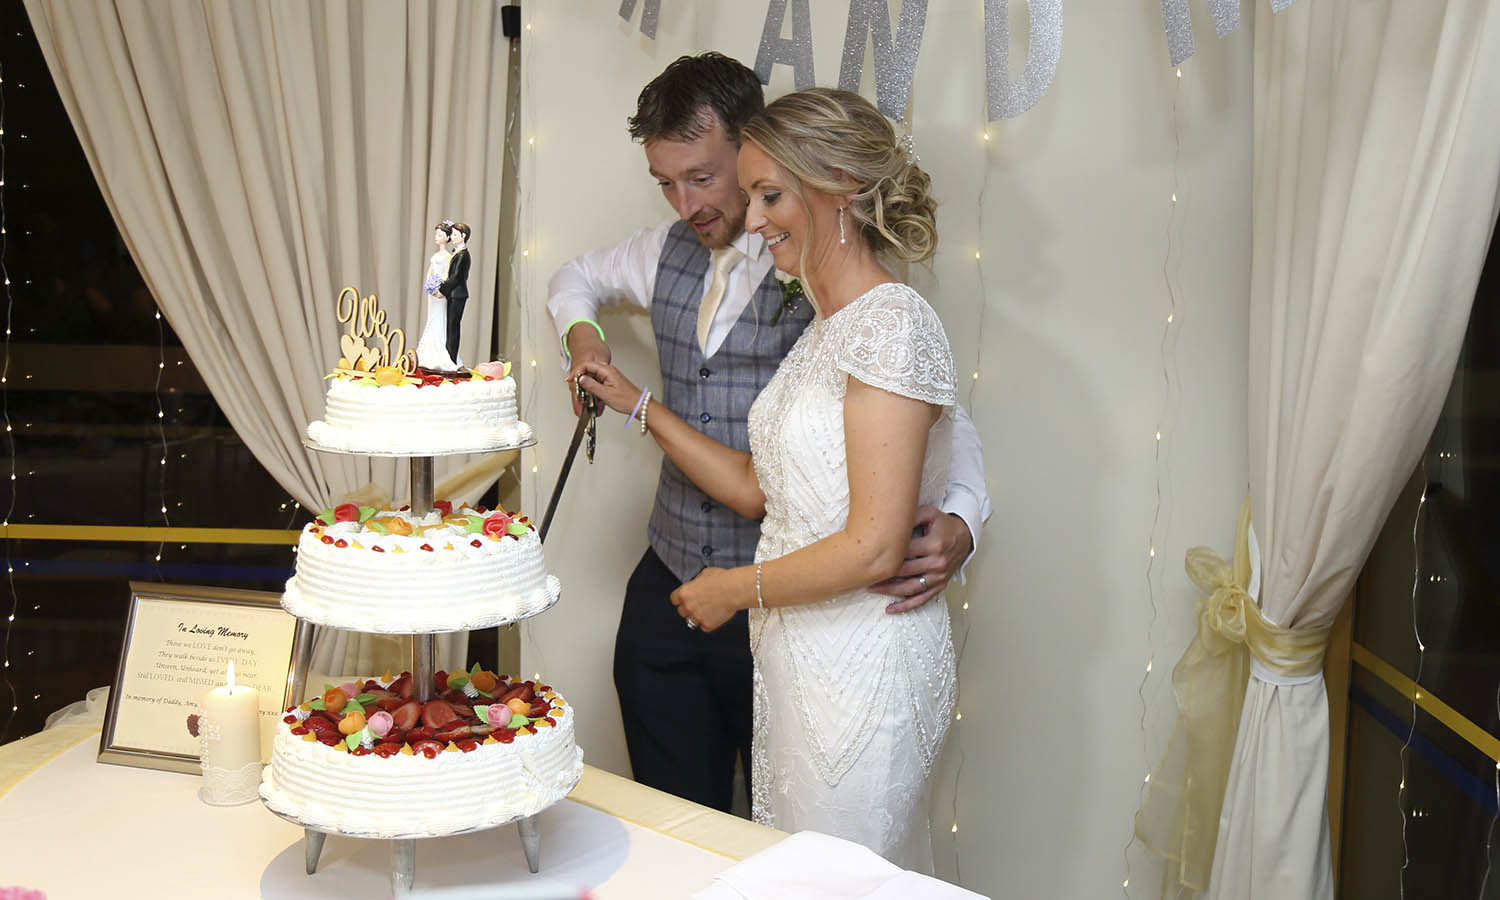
851, 703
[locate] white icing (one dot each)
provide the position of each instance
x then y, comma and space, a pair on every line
453, 587
413, 795
406, 418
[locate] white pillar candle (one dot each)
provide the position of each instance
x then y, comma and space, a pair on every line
229, 730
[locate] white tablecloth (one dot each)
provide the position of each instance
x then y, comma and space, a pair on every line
76, 828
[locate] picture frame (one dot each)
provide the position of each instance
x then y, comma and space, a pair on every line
176, 641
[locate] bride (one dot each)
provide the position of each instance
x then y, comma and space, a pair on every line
851, 704
432, 351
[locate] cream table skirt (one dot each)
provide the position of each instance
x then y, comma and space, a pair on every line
72, 827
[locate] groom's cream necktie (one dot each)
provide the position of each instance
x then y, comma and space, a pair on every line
723, 260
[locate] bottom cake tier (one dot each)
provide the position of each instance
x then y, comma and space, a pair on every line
366, 759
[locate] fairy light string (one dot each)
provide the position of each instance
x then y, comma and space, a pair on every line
1416, 579
12, 706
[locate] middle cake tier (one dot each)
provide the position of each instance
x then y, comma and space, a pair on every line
389, 571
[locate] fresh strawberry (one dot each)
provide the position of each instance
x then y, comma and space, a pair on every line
437, 713
387, 750
371, 686
429, 749
543, 688
407, 714
320, 725
468, 746
401, 687
452, 734
520, 692
377, 692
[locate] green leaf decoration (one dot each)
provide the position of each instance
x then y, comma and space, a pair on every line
517, 720
353, 706
474, 525
377, 526
355, 739
317, 704
365, 512
476, 670
457, 680
364, 698
482, 711
517, 529
326, 516
485, 694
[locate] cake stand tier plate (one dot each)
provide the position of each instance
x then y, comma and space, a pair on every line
311, 444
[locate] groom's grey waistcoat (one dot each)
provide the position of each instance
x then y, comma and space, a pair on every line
688, 530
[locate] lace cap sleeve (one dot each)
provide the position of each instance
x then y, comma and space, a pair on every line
894, 341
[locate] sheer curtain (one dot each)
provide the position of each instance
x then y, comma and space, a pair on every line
1375, 188
260, 156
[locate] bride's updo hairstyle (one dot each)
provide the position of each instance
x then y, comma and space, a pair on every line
816, 134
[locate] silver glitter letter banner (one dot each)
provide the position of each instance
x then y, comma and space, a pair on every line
1006, 100
895, 63
795, 52
1178, 23
648, 17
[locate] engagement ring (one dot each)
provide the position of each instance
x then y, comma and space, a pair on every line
922, 580
692, 624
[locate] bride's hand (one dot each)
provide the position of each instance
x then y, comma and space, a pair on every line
605, 382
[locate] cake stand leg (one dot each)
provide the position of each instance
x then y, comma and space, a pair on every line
423, 651
304, 644
403, 865
422, 485
314, 847
531, 842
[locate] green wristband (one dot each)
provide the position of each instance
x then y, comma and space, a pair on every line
566, 351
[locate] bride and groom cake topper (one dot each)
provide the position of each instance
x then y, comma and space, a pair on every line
447, 290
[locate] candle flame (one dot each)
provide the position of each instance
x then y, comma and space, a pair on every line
229, 676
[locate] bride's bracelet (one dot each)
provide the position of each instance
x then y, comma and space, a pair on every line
759, 600
636, 410
645, 405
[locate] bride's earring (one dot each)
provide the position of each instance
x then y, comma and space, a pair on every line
842, 239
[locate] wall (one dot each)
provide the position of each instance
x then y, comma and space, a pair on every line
1063, 316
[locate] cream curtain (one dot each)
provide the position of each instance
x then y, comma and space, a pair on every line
1375, 188
259, 156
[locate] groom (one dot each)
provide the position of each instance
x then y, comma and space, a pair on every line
718, 347
456, 286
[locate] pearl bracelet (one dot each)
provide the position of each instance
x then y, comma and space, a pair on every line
645, 405
759, 600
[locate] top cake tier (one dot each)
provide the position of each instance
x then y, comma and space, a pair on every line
419, 415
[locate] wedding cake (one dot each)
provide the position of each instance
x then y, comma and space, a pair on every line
366, 759
389, 571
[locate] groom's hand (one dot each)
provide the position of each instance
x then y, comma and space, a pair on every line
933, 557
585, 347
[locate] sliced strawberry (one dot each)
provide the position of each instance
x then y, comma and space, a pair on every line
401, 687
299, 730
429, 749
392, 704
360, 751
440, 681
454, 698
371, 686
452, 734
378, 692
468, 746
418, 734
330, 738
539, 709
289, 719
462, 710
395, 736
407, 715
481, 730
505, 735
387, 749
437, 713
516, 692
543, 688
320, 725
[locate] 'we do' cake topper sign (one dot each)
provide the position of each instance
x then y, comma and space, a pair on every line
367, 320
